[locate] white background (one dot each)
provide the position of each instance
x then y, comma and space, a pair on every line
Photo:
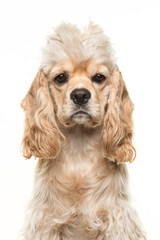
133, 27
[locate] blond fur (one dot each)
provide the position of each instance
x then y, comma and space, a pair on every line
81, 180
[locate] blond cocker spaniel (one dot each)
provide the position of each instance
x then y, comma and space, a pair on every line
79, 125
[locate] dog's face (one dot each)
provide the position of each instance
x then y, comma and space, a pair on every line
80, 92
78, 84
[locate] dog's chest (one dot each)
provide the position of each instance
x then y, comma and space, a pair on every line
78, 163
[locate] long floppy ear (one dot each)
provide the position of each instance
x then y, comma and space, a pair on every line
118, 124
41, 135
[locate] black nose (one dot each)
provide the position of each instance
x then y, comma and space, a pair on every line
80, 96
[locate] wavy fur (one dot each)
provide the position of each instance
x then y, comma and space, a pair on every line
81, 179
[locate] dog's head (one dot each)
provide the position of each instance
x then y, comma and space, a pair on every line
78, 83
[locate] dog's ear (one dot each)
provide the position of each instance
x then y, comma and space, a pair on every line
41, 134
118, 124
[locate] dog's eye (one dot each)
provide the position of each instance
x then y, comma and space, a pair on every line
61, 78
98, 78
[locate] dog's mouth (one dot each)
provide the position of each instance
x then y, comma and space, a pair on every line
81, 116
81, 113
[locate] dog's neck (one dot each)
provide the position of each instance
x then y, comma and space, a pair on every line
81, 149
81, 137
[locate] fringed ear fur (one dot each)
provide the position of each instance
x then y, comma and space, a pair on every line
41, 134
118, 124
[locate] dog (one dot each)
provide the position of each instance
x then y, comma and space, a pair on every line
78, 123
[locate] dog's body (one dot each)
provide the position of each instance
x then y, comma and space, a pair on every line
78, 123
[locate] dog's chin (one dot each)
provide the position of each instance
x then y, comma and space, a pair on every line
81, 117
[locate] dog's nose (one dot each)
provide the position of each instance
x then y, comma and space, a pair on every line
80, 96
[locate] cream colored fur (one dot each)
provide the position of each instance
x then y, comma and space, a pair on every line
81, 180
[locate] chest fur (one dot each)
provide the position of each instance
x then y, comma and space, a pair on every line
80, 154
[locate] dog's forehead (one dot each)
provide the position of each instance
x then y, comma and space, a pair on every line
73, 67
64, 66
94, 67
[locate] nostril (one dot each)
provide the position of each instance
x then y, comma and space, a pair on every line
80, 96
87, 95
